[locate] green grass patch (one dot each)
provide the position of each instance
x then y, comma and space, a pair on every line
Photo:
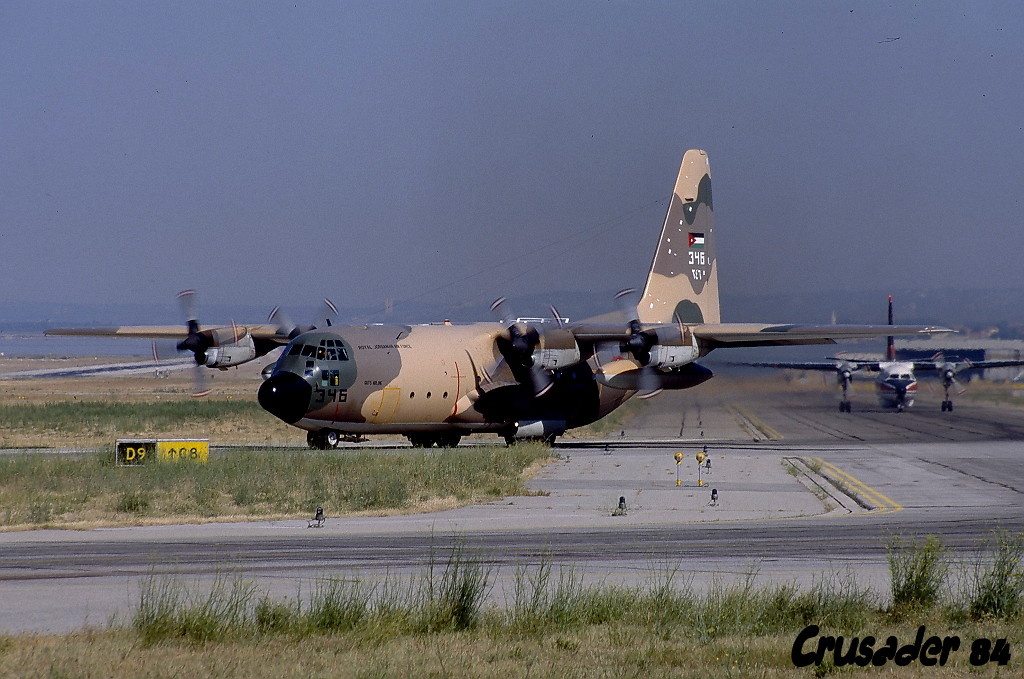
113, 417
38, 490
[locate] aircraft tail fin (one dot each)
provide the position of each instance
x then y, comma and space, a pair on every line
683, 282
890, 341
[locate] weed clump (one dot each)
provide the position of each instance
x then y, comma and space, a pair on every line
997, 584
917, 573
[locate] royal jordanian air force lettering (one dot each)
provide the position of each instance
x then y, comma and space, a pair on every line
517, 378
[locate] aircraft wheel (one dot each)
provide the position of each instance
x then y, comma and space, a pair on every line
331, 438
950, 407
448, 440
315, 440
510, 440
420, 441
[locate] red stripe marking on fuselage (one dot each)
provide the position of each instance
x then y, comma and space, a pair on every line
458, 389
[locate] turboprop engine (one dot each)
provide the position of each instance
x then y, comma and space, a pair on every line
556, 349
228, 355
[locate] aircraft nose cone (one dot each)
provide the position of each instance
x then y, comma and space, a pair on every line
285, 395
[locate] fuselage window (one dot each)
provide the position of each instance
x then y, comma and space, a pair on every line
294, 351
308, 350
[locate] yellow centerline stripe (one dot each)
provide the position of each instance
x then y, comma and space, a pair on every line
757, 423
884, 504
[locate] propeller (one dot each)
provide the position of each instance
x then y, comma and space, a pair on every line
639, 344
949, 370
288, 328
196, 342
517, 350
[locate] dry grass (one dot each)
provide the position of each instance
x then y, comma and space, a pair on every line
89, 491
246, 423
596, 651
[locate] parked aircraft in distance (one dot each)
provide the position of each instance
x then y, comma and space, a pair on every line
896, 383
518, 378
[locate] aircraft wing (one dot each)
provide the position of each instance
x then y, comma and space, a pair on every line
758, 335
966, 365
261, 331
824, 366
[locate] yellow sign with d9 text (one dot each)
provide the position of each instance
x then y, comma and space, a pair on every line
183, 451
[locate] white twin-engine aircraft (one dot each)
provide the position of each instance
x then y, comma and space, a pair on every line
895, 383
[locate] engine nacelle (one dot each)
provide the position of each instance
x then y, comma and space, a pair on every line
544, 430
669, 357
228, 355
687, 376
557, 349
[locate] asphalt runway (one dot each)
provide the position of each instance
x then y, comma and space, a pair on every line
866, 477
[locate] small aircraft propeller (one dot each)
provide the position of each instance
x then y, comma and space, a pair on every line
948, 370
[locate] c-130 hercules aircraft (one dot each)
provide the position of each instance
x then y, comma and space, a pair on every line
436, 383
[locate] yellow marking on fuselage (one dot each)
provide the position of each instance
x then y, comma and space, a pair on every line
385, 410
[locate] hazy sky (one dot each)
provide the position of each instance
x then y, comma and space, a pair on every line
451, 152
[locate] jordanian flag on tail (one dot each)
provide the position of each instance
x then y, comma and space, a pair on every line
697, 241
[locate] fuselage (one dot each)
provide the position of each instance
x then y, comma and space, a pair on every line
402, 379
896, 384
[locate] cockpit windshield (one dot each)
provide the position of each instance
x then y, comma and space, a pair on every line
326, 350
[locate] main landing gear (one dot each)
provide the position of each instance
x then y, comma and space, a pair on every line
844, 379
324, 439
947, 403
327, 439
444, 440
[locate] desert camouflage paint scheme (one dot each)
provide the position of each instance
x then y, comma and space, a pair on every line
515, 378
680, 259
